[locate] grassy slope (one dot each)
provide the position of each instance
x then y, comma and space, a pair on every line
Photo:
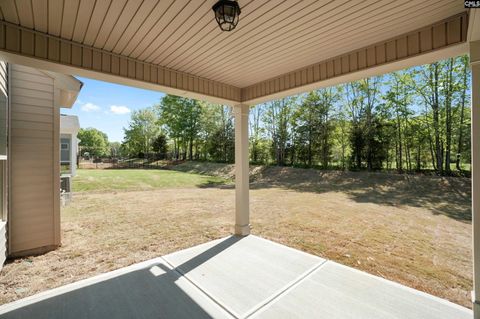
138, 179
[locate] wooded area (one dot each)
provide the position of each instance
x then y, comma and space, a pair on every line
412, 120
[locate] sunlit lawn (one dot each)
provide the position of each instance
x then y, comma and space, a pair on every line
139, 179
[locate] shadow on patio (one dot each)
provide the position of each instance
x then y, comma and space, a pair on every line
233, 277
148, 290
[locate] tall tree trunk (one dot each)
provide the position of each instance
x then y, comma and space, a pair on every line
409, 158
448, 113
462, 116
399, 145
325, 150
436, 120
418, 157
430, 143
174, 149
408, 142
310, 145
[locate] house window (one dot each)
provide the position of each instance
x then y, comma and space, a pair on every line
65, 149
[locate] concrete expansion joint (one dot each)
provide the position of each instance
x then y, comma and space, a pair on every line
291, 285
180, 273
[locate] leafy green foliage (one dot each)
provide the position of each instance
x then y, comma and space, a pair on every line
141, 133
414, 119
94, 142
180, 117
160, 145
115, 149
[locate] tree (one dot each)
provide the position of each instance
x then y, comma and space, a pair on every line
312, 127
441, 87
257, 138
448, 89
463, 87
220, 145
160, 144
327, 97
181, 119
398, 98
412, 119
277, 118
340, 136
94, 142
361, 100
115, 149
141, 132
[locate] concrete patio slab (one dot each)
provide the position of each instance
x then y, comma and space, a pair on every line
338, 291
235, 277
146, 290
243, 273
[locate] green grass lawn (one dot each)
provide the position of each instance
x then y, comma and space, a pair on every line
139, 179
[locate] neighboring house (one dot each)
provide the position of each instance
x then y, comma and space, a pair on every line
69, 127
30, 102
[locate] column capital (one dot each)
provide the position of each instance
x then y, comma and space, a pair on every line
474, 52
242, 109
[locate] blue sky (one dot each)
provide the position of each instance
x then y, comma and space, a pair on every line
107, 107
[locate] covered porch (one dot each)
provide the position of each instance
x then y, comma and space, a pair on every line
176, 47
235, 277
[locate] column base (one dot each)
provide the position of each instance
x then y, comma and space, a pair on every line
476, 306
476, 310
242, 230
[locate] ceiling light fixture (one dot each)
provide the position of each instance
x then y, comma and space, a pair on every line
227, 14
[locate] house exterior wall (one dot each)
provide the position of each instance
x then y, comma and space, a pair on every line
73, 154
3, 215
69, 128
65, 149
34, 224
3, 243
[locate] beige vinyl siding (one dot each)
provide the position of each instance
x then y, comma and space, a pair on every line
3, 217
32, 223
3, 243
3, 77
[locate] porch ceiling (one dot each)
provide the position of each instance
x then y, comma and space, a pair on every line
273, 38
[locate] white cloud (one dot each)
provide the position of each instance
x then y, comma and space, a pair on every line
119, 109
90, 107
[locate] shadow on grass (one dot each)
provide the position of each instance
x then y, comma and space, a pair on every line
448, 196
216, 184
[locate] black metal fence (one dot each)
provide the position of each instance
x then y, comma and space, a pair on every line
149, 161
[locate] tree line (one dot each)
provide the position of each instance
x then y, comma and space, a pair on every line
411, 120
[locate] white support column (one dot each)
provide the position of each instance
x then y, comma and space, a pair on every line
475, 167
242, 201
